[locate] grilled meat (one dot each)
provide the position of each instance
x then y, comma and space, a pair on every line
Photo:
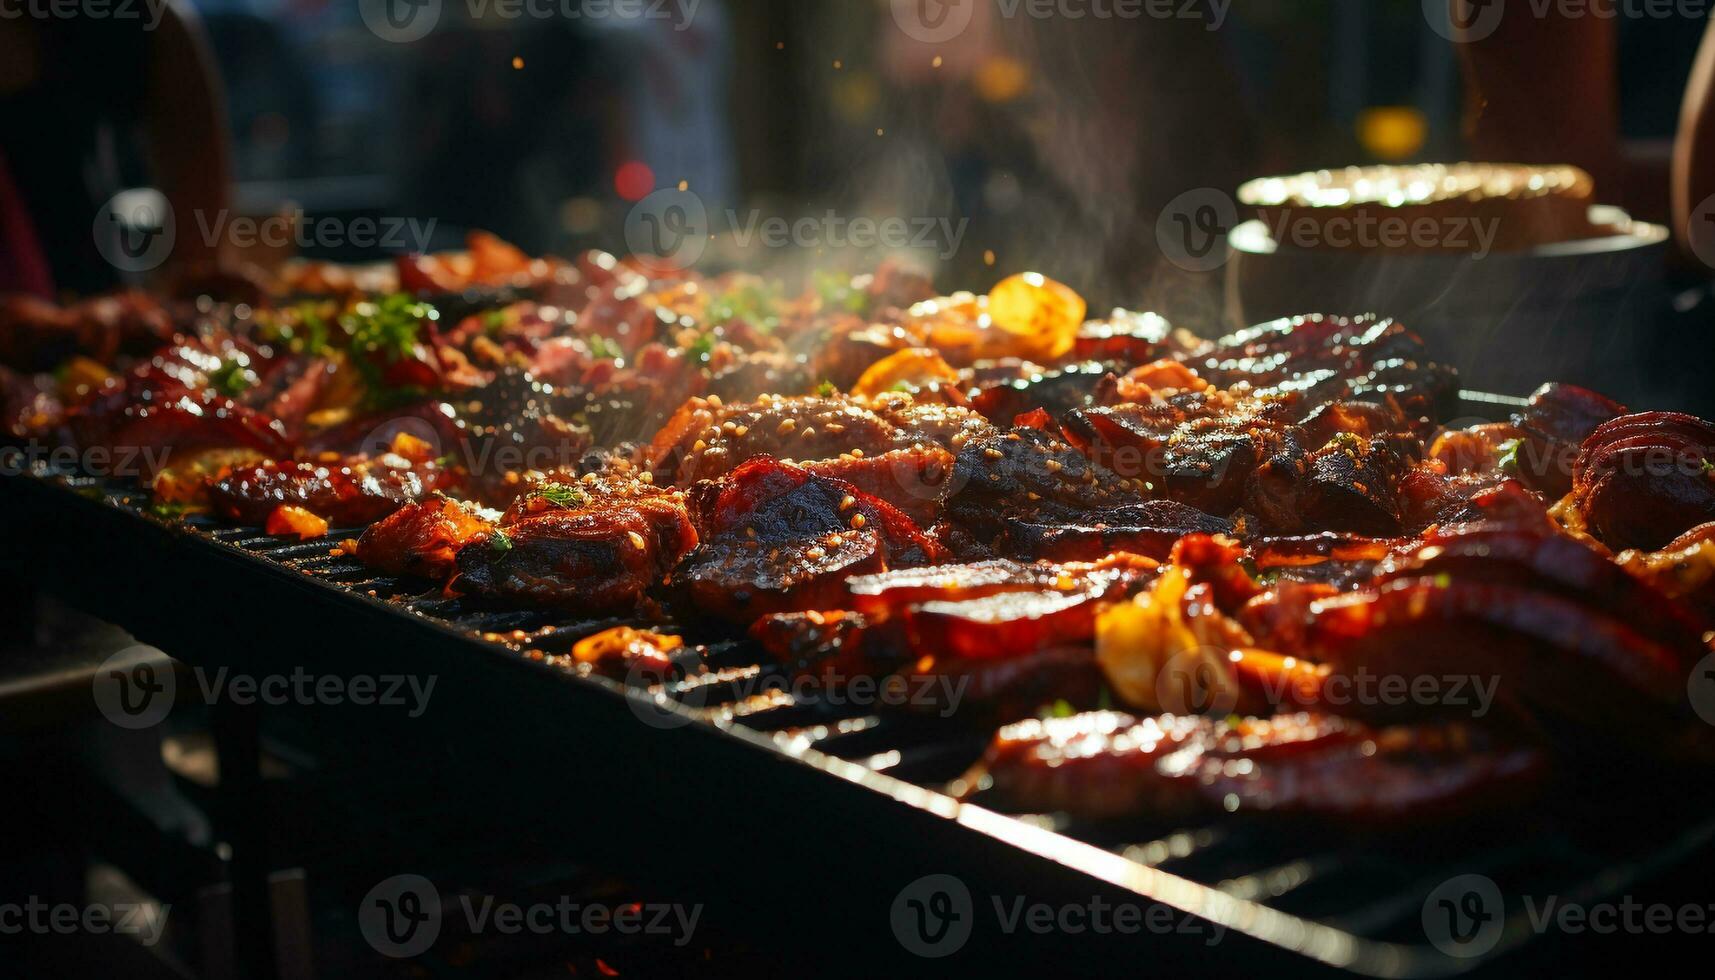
348, 492
1106, 765
1642, 480
1029, 493
422, 539
1312, 360
777, 537
891, 447
583, 550
36, 335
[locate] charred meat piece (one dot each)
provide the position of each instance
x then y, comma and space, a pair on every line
1350, 484
1553, 426
1058, 392
778, 538
1149, 528
1030, 494
1126, 339
915, 480
182, 426
997, 609
1195, 448
1317, 359
515, 425
1537, 558
36, 335
590, 556
971, 623
892, 447
422, 539
1642, 480
707, 438
1429, 498
1106, 766
186, 398
1558, 658
345, 492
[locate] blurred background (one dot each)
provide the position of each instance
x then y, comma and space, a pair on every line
1060, 140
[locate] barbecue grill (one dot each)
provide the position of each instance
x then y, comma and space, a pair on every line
809, 816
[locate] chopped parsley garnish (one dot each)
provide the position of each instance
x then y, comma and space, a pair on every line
559, 494
493, 321
1508, 459
500, 541
836, 292
702, 347
1709, 466
311, 335
232, 378
170, 510
1059, 709
603, 348
390, 326
757, 303
826, 390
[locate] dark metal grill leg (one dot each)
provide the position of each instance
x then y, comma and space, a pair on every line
238, 741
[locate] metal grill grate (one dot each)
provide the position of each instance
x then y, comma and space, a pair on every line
1357, 904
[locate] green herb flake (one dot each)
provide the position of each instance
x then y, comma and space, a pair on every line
1508, 459
559, 494
836, 292
604, 348
390, 326
232, 378
826, 390
757, 303
1059, 709
500, 541
702, 347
